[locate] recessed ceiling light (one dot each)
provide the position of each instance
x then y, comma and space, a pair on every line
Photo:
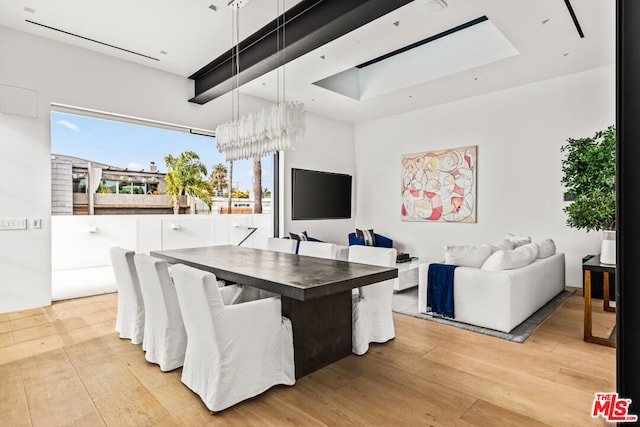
213, 7
237, 3
434, 6
29, 9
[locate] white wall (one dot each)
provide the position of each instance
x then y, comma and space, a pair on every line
80, 244
70, 75
83, 241
519, 133
328, 147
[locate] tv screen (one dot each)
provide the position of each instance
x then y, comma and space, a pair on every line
320, 195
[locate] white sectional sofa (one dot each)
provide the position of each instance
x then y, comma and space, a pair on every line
501, 299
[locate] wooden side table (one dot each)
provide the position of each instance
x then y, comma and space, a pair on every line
594, 264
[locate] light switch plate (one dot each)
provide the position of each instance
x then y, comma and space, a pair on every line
13, 223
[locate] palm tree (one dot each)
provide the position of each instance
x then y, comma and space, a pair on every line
230, 187
257, 185
185, 176
219, 177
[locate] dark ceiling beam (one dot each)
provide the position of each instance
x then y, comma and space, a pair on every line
309, 25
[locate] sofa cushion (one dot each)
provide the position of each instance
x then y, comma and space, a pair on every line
502, 244
546, 248
299, 236
367, 236
381, 241
466, 256
515, 258
517, 240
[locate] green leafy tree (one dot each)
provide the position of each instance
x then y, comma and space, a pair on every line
594, 212
186, 176
219, 177
589, 176
103, 189
239, 194
266, 192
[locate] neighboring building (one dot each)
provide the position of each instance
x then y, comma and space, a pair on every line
238, 205
120, 191
115, 190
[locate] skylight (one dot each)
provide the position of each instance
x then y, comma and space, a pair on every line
470, 45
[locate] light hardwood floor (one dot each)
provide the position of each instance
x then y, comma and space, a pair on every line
65, 365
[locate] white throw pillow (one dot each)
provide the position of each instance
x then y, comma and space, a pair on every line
517, 240
502, 244
546, 248
516, 258
467, 256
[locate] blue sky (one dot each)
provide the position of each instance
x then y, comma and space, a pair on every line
133, 146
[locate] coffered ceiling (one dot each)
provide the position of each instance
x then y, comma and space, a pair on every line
181, 37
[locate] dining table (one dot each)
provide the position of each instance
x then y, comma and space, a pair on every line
316, 293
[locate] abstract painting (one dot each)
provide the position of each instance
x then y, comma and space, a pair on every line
440, 186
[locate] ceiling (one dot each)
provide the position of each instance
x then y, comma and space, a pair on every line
180, 37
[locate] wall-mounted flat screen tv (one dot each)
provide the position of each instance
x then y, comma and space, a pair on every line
320, 195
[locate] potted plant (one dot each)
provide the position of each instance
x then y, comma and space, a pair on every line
589, 177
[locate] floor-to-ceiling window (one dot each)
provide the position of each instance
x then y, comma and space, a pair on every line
132, 159
145, 186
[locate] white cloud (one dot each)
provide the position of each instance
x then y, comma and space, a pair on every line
134, 166
71, 126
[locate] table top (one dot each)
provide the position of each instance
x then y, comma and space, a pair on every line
594, 264
294, 276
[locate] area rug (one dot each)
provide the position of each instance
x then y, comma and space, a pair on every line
406, 302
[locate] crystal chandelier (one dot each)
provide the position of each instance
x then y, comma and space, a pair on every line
272, 129
268, 131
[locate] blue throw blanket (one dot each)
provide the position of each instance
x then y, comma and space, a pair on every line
440, 289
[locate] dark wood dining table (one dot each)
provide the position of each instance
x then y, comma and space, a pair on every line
315, 293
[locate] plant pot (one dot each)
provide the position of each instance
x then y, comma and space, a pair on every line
608, 248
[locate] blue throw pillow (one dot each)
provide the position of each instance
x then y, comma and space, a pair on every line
299, 236
367, 236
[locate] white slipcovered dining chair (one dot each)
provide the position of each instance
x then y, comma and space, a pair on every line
318, 249
130, 317
165, 338
371, 307
282, 245
233, 352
